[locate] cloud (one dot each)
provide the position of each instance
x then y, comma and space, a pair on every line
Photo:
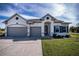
28, 17
65, 12
1, 24
58, 9
62, 11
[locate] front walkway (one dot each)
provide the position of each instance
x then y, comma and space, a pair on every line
20, 48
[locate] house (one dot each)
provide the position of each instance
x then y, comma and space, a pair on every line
45, 26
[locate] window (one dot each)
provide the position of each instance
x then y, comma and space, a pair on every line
56, 29
62, 29
17, 18
47, 17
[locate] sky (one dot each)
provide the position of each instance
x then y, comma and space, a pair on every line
63, 11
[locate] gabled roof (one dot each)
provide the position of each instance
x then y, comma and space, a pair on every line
13, 16
48, 15
38, 20
53, 18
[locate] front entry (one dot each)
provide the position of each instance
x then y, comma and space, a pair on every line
47, 29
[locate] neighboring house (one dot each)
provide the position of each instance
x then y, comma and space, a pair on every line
46, 26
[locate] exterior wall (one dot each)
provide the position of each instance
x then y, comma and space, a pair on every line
64, 33
16, 25
59, 24
35, 25
14, 21
6, 31
51, 26
22, 23
42, 27
28, 30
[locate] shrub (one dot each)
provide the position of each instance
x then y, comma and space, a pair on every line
54, 35
57, 36
67, 36
2, 35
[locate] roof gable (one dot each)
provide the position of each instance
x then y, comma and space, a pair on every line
52, 18
36, 20
48, 15
14, 16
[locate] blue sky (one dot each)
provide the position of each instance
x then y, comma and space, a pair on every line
63, 11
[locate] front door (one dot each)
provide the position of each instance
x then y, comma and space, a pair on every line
47, 29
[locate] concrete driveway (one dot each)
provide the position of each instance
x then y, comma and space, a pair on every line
20, 48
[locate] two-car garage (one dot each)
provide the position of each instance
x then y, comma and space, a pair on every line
18, 26
22, 31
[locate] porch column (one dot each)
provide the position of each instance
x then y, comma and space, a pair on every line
51, 29
6, 31
42, 30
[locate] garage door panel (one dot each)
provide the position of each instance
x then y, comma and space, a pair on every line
17, 31
35, 31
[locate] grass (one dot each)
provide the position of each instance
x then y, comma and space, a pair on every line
61, 47
74, 35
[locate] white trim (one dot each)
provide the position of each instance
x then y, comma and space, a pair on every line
15, 25
42, 30
6, 31
28, 30
52, 29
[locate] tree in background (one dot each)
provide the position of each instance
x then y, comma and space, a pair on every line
72, 29
75, 29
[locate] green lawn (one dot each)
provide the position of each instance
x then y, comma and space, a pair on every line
73, 35
61, 47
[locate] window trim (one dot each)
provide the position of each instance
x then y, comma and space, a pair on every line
63, 29
55, 29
